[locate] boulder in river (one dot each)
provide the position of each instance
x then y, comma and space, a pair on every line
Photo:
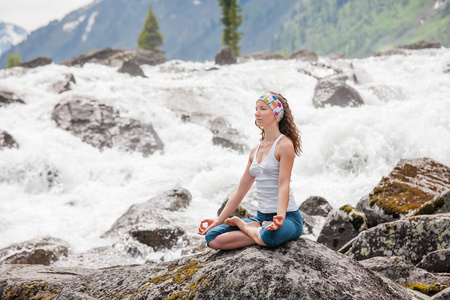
7, 141
100, 126
411, 238
414, 187
41, 251
333, 90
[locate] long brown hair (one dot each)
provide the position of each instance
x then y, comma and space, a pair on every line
287, 126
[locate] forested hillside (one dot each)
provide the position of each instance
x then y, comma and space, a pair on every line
192, 29
359, 28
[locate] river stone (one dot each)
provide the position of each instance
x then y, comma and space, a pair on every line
100, 126
42, 251
401, 271
300, 269
37, 62
333, 90
131, 68
63, 84
436, 261
149, 223
444, 295
102, 56
341, 226
7, 141
411, 238
414, 186
225, 56
316, 206
7, 98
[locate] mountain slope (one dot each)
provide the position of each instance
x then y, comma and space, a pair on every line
192, 30
10, 35
360, 28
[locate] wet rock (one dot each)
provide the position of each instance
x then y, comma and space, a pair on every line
7, 141
37, 62
226, 136
300, 269
63, 85
149, 223
411, 238
7, 98
174, 199
105, 56
436, 261
131, 68
225, 56
414, 186
401, 271
147, 57
100, 257
341, 226
100, 126
306, 55
316, 206
333, 90
42, 251
246, 209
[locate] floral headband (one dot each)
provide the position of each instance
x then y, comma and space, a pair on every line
274, 104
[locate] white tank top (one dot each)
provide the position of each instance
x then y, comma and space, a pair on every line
266, 176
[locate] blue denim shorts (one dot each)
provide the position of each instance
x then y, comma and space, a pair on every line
290, 230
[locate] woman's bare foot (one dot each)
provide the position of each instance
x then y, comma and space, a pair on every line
233, 221
265, 222
248, 228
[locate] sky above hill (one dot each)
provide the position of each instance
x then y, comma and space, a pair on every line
32, 14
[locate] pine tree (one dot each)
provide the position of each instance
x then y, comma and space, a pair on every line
13, 60
150, 38
231, 18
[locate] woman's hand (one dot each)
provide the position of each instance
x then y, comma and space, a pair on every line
207, 224
277, 223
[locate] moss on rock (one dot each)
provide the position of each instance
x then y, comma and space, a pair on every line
429, 290
412, 185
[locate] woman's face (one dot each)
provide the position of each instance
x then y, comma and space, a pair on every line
263, 114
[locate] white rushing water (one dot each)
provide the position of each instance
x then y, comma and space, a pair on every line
346, 151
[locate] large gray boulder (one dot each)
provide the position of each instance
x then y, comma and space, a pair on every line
300, 269
333, 90
341, 226
316, 206
408, 275
414, 187
151, 223
411, 238
41, 251
100, 126
436, 261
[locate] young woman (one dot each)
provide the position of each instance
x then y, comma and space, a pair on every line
278, 219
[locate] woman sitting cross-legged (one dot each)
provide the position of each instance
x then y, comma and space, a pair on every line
278, 219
